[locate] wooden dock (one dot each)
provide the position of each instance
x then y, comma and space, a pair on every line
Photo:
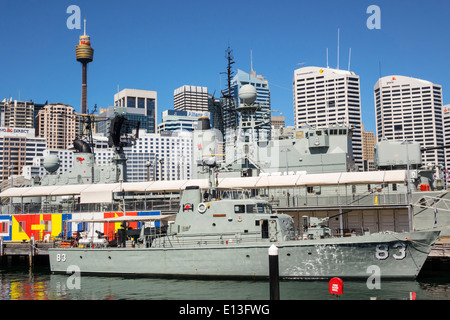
30, 249
441, 250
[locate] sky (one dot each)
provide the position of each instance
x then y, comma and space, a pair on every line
162, 45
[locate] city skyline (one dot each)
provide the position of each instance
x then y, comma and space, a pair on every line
161, 47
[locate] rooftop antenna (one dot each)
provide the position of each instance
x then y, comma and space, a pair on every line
327, 57
338, 51
84, 26
349, 58
379, 68
251, 60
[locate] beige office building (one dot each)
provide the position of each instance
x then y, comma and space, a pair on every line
191, 98
57, 123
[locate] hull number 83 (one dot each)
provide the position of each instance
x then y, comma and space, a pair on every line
60, 257
398, 252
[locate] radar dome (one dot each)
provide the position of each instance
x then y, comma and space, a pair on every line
51, 163
247, 93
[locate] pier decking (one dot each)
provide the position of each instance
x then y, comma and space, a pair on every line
29, 249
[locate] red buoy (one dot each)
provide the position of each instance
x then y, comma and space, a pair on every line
336, 286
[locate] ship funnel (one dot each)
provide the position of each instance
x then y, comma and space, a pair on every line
203, 124
190, 200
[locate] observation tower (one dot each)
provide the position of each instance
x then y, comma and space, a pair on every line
85, 54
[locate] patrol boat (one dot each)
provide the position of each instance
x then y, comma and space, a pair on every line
214, 236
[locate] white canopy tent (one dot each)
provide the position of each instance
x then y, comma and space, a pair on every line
97, 193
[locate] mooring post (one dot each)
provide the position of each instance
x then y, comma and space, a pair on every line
274, 273
32, 250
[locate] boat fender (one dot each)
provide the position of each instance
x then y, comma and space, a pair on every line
201, 207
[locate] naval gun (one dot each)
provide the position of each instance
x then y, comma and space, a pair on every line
313, 228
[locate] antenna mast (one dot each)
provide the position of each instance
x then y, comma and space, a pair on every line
349, 58
338, 51
231, 114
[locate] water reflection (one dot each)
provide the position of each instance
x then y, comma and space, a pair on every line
21, 283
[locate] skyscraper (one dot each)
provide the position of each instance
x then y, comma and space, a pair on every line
57, 123
325, 96
18, 148
446, 126
369, 141
17, 114
144, 102
191, 98
410, 109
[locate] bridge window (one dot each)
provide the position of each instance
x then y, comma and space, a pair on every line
240, 208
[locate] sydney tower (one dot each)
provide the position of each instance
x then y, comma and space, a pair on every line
85, 54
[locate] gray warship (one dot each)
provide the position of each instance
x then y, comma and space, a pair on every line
213, 235
230, 238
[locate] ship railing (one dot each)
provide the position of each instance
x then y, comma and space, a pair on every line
130, 205
182, 240
312, 200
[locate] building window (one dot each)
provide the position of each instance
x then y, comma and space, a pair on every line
4, 227
141, 103
22, 226
131, 102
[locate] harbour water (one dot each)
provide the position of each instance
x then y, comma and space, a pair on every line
20, 282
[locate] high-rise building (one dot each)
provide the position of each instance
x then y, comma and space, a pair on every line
368, 141
325, 96
173, 120
215, 108
277, 122
18, 148
57, 123
144, 100
410, 109
446, 126
17, 114
191, 98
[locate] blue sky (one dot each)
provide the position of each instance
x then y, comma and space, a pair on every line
162, 45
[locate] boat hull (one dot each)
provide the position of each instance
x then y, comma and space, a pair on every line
386, 255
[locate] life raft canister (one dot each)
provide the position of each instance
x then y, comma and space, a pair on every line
202, 207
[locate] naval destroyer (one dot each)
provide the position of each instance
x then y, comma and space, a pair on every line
230, 238
215, 236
